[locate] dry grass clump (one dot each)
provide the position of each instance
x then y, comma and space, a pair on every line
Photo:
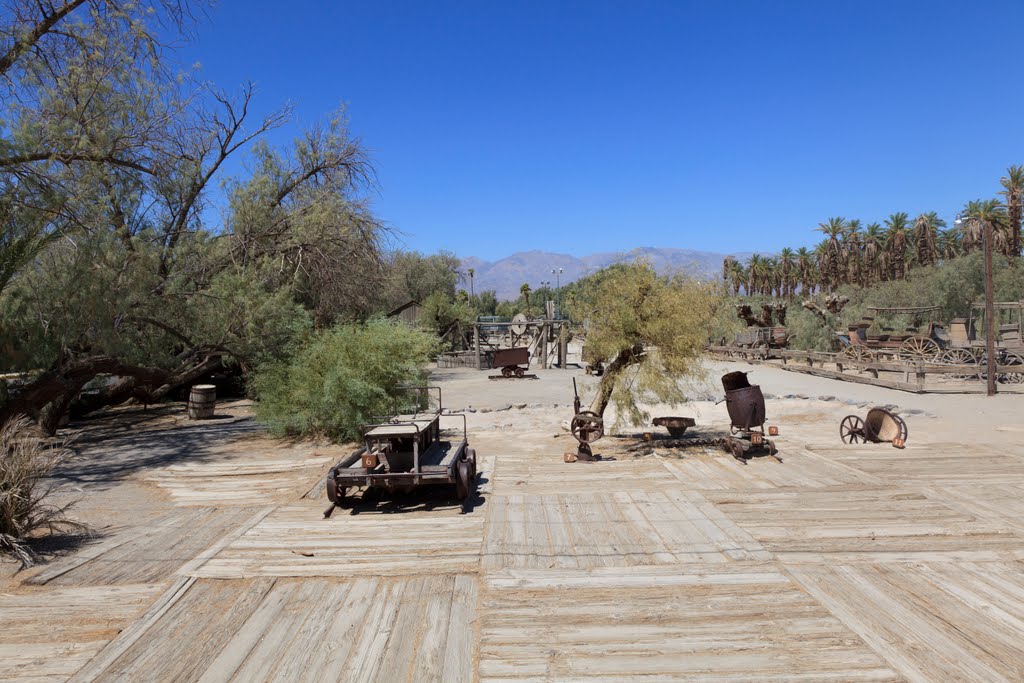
25, 463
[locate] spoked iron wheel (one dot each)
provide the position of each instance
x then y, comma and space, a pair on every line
859, 354
1014, 377
964, 358
587, 426
851, 429
918, 349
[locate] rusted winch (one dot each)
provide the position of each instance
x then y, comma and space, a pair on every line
586, 427
745, 404
878, 426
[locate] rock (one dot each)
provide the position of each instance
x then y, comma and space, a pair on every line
801, 397
485, 410
503, 408
826, 398
768, 397
520, 406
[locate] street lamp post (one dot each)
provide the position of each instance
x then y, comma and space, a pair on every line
990, 308
558, 292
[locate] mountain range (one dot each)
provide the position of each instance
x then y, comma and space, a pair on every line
506, 275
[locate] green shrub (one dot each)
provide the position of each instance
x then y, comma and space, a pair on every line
341, 378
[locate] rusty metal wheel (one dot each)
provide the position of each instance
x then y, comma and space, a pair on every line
519, 372
851, 429
464, 480
587, 426
506, 372
918, 349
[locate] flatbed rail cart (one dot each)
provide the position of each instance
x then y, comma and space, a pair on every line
405, 450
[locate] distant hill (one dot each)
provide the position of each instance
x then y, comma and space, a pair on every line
506, 275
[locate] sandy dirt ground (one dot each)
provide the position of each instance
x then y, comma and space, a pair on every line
212, 560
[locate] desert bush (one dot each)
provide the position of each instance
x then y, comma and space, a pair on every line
341, 378
25, 464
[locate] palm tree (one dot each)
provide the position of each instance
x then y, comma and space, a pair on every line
1013, 190
896, 244
805, 270
472, 272
757, 267
926, 235
986, 210
949, 243
853, 270
873, 253
786, 272
524, 291
834, 228
822, 258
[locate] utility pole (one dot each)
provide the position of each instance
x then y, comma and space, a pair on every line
990, 307
990, 312
557, 272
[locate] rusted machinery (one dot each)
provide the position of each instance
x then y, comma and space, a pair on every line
510, 360
878, 426
405, 451
586, 427
676, 426
745, 404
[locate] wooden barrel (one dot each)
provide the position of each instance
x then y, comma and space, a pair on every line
201, 401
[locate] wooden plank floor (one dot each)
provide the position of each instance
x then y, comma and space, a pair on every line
47, 634
736, 622
858, 563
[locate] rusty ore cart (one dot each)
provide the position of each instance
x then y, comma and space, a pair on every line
405, 451
924, 340
510, 360
745, 404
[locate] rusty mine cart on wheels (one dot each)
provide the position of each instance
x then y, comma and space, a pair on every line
921, 341
405, 451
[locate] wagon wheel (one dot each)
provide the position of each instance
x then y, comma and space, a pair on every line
587, 427
1014, 377
736, 448
519, 372
858, 354
465, 482
918, 349
851, 429
961, 357
506, 372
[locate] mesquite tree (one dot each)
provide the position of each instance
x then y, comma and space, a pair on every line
648, 329
112, 262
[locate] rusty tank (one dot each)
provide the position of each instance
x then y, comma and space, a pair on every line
744, 401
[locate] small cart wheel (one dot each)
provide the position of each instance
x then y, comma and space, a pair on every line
851, 429
918, 349
736, 448
519, 372
464, 480
857, 353
506, 372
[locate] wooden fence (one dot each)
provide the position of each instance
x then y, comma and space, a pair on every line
913, 377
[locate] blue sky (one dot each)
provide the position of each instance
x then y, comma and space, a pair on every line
600, 126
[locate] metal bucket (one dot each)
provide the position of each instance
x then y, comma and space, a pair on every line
744, 401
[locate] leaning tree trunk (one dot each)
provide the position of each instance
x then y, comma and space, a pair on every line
50, 395
612, 371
